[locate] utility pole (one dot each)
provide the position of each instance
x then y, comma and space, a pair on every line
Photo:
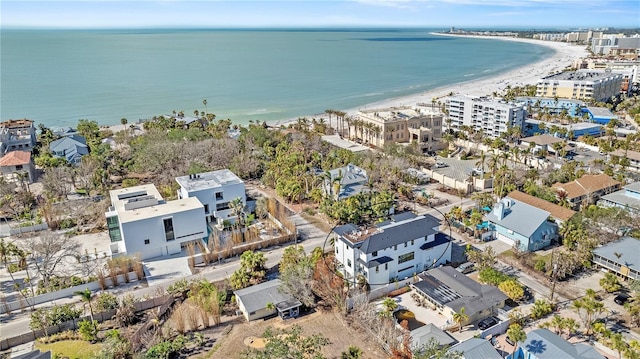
554, 271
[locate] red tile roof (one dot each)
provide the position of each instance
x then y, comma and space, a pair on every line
15, 158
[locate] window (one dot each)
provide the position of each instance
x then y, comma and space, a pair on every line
18, 167
336, 250
406, 257
386, 266
168, 229
219, 196
395, 248
412, 241
146, 241
375, 254
206, 209
349, 263
222, 206
405, 244
113, 226
377, 269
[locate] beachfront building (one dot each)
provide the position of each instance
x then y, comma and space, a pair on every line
215, 190
448, 291
482, 114
395, 249
399, 125
140, 222
580, 85
620, 257
521, 225
619, 66
586, 190
345, 182
71, 148
17, 135
17, 166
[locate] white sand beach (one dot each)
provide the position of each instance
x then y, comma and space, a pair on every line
565, 54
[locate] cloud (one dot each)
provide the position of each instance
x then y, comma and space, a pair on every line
400, 4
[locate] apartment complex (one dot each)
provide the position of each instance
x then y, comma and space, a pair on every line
399, 125
401, 247
215, 190
580, 85
489, 116
17, 135
140, 222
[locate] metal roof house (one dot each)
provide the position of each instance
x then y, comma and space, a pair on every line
449, 291
253, 301
517, 223
544, 344
628, 198
71, 148
405, 245
476, 348
346, 181
621, 257
422, 335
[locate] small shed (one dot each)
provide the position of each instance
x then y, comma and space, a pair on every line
265, 299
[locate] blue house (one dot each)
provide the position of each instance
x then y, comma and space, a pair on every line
544, 344
600, 114
553, 105
519, 224
71, 148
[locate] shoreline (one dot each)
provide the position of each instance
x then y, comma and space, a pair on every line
564, 55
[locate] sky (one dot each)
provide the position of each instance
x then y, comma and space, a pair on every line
521, 14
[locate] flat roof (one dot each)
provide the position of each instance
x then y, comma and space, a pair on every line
632, 155
601, 112
581, 76
208, 180
619, 197
541, 140
397, 113
120, 197
573, 126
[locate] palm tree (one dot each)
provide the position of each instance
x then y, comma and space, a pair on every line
460, 318
481, 161
270, 306
86, 296
517, 334
389, 305
204, 102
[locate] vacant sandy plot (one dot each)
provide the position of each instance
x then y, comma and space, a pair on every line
328, 324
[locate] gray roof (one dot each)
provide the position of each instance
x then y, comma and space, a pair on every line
258, 296
208, 180
449, 287
376, 261
519, 217
620, 198
353, 180
421, 336
476, 348
544, 344
400, 232
73, 146
627, 247
633, 187
601, 112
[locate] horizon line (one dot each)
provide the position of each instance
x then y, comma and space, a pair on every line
318, 27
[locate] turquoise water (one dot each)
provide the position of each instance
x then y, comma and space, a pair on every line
58, 77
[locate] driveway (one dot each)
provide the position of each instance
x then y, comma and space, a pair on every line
162, 269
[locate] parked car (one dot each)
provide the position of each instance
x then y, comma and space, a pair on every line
621, 298
488, 323
509, 341
440, 165
466, 268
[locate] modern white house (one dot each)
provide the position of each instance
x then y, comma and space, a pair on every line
141, 222
490, 116
215, 190
401, 247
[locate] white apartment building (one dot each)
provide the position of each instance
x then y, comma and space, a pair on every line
399, 125
580, 85
396, 249
140, 222
489, 116
215, 190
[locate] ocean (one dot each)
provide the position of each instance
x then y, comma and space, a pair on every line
57, 77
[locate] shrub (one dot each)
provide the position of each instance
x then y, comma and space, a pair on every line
106, 301
541, 265
66, 223
492, 276
12, 268
88, 330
